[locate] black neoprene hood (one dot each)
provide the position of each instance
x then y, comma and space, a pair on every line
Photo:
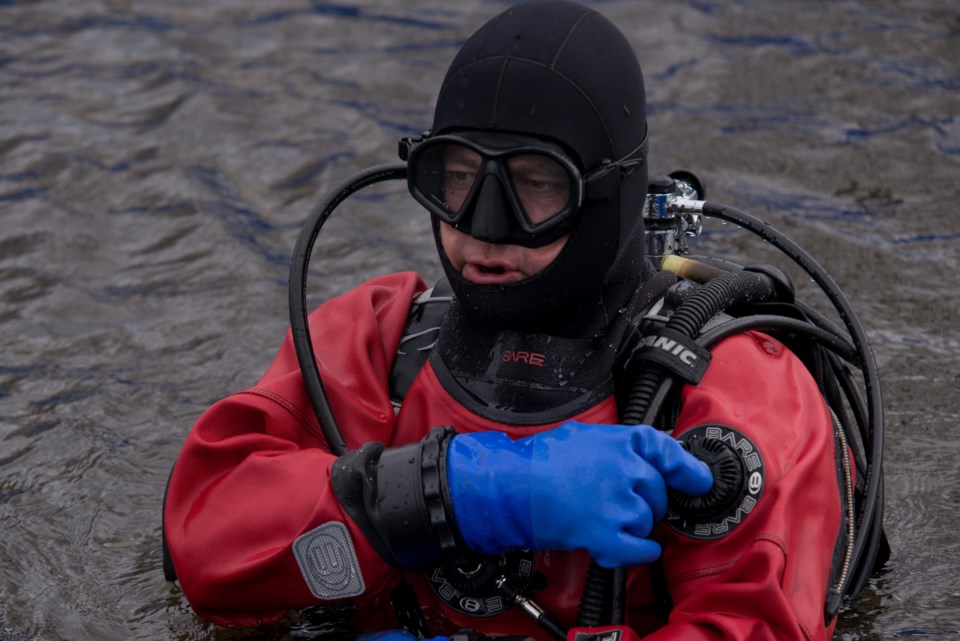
550, 68
563, 72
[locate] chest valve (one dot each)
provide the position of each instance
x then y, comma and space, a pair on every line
737, 483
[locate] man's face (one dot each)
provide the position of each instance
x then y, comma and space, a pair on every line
486, 263
542, 188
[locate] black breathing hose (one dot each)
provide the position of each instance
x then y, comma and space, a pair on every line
717, 295
602, 601
297, 292
870, 519
652, 387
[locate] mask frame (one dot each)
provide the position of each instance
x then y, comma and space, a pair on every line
496, 205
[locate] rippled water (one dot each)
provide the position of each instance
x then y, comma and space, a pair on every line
157, 159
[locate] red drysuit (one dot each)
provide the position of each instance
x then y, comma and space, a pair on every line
254, 474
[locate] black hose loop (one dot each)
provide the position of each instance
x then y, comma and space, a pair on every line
872, 505
297, 292
652, 386
601, 601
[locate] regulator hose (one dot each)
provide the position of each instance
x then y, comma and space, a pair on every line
722, 292
869, 539
297, 292
602, 600
653, 386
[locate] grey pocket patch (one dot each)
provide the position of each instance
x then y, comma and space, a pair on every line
328, 562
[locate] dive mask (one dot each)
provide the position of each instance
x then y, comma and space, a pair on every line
507, 188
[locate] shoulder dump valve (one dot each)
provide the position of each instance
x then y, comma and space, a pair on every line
729, 482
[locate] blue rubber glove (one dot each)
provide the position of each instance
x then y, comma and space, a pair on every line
601, 488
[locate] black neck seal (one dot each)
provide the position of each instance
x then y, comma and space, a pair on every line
530, 378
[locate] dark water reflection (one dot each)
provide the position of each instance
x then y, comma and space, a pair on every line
157, 159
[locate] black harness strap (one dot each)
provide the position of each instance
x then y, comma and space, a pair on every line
419, 336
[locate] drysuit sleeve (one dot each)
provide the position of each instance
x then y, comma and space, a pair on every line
251, 520
763, 570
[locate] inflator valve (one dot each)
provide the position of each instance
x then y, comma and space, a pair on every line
729, 482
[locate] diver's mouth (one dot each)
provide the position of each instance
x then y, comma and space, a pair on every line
491, 274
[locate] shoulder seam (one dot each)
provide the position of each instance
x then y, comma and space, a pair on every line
310, 425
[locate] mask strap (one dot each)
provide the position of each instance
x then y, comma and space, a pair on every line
602, 182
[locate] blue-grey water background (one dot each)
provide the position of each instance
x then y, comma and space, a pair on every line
158, 158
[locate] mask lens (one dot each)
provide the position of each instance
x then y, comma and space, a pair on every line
541, 185
460, 168
444, 174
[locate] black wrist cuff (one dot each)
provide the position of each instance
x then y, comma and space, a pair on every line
399, 498
436, 495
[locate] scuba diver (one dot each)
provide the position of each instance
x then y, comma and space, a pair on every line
559, 440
